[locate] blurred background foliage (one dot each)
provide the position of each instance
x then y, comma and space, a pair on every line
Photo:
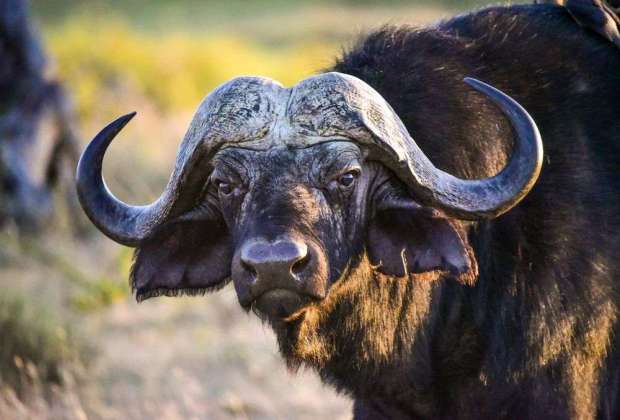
174, 52
63, 296
36, 344
197, 13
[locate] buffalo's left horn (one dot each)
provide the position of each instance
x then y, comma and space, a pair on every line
121, 222
489, 197
359, 106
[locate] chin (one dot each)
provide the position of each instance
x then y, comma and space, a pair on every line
278, 304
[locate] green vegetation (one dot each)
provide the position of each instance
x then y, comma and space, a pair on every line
173, 71
98, 294
197, 13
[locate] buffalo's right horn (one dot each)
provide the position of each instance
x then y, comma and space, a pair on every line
121, 222
223, 115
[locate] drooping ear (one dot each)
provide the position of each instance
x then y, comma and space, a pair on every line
404, 237
189, 257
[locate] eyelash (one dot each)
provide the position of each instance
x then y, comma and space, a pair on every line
224, 188
346, 180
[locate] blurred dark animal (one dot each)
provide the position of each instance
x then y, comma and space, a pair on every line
395, 278
596, 15
37, 144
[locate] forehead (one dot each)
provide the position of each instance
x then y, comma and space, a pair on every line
261, 114
279, 157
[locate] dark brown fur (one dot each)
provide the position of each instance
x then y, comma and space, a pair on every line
536, 336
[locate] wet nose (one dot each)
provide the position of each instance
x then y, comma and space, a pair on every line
277, 277
279, 260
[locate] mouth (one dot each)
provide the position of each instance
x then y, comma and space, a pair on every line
278, 304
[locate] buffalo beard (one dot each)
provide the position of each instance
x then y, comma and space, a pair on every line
370, 324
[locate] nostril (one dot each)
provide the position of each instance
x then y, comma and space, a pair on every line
9, 185
300, 265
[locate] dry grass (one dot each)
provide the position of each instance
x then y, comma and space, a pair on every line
171, 359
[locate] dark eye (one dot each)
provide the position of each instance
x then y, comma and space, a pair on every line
224, 188
347, 179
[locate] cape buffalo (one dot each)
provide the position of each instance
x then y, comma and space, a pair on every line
37, 141
401, 270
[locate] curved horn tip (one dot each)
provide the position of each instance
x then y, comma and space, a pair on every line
528, 140
473, 82
102, 140
106, 212
119, 123
481, 86
122, 121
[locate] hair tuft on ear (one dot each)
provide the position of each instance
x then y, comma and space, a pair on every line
404, 238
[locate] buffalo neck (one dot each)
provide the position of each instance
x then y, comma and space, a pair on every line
376, 332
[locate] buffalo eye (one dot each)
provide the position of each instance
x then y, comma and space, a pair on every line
347, 179
223, 187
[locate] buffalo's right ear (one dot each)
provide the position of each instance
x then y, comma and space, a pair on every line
187, 257
404, 237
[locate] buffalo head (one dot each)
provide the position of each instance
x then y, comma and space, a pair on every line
37, 145
285, 191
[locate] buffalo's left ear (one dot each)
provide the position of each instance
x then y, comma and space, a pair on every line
404, 237
188, 257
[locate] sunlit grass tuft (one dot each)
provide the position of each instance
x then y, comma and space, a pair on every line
102, 292
35, 345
